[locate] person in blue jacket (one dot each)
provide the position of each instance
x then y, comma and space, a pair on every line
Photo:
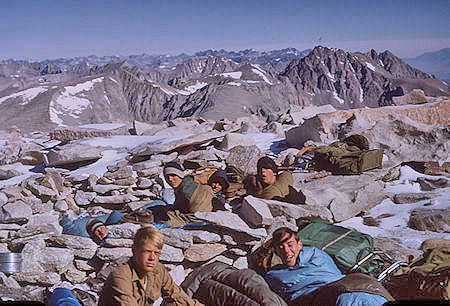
309, 276
89, 227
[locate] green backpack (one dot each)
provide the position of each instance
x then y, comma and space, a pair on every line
427, 278
345, 246
347, 158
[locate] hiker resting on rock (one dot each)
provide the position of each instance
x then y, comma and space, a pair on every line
219, 184
95, 228
189, 196
274, 186
309, 276
143, 279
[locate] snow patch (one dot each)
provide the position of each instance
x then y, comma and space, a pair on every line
109, 157
27, 95
114, 80
167, 91
361, 94
79, 88
331, 77
102, 126
396, 227
193, 88
267, 142
261, 73
251, 81
370, 66
234, 83
72, 101
335, 95
130, 142
235, 75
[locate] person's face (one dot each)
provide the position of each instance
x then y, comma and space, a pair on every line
174, 181
100, 232
268, 176
216, 187
288, 251
146, 256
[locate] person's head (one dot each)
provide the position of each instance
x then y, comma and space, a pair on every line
286, 245
96, 230
173, 174
218, 181
147, 245
267, 170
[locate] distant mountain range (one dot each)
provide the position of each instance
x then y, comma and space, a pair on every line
210, 84
435, 63
275, 60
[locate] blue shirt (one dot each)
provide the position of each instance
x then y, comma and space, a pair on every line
314, 269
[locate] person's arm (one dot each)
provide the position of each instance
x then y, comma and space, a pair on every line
172, 294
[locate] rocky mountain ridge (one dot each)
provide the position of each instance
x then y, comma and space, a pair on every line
211, 87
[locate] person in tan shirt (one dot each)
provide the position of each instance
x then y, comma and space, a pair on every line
190, 197
272, 185
143, 279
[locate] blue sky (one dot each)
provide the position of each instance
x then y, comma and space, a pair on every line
37, 30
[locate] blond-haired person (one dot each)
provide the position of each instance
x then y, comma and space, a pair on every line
143, 279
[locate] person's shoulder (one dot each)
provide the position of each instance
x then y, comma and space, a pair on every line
188, 179
205, 189
285, 177
124, 270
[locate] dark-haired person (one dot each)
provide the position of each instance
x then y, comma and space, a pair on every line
219, 184
190, 197
309, 276
95, 228
276, 186
143, 279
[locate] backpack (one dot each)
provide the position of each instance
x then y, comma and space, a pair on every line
202, 174
235, 175
347, 247
344, 158
425, 278
352, 251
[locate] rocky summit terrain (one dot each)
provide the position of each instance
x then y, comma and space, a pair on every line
212, 85
82, 169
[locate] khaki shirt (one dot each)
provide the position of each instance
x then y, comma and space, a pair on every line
198, 199
280, 188
123, 287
